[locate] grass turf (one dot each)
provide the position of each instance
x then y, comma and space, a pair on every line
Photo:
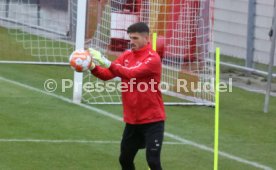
244, 130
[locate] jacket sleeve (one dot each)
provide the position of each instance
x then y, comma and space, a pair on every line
104, 73
149, 67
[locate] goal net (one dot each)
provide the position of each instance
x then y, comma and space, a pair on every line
45, 31
184, 42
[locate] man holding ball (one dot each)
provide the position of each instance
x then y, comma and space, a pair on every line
143, 113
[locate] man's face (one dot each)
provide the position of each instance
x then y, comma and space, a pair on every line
138, 40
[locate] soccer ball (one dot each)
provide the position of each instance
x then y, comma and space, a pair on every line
80, 60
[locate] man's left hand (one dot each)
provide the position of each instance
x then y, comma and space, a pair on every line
96, 55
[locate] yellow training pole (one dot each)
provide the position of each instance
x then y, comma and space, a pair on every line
154, 41
216, 133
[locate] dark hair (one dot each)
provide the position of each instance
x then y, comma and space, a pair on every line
139, 27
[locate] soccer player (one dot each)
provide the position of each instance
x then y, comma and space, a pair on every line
143, 113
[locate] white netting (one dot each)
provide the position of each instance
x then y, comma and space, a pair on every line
44, 28
184, 26
47, 29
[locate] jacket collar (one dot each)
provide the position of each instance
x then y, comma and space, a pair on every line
143, 49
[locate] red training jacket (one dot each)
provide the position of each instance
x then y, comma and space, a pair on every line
144, 65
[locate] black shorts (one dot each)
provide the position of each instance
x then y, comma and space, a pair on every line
141, 135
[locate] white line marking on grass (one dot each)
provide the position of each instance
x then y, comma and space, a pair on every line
57, 141
74, 141
170, 135
224, 154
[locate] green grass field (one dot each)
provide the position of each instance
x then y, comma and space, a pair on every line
39, 130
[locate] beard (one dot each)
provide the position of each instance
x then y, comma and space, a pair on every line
133, 46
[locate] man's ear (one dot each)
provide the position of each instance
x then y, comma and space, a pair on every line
147, 37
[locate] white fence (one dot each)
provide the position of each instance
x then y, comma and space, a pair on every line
230, 28
23, 13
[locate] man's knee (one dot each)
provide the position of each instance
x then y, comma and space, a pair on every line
154, 163
153, 158
126, 163
123, 159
